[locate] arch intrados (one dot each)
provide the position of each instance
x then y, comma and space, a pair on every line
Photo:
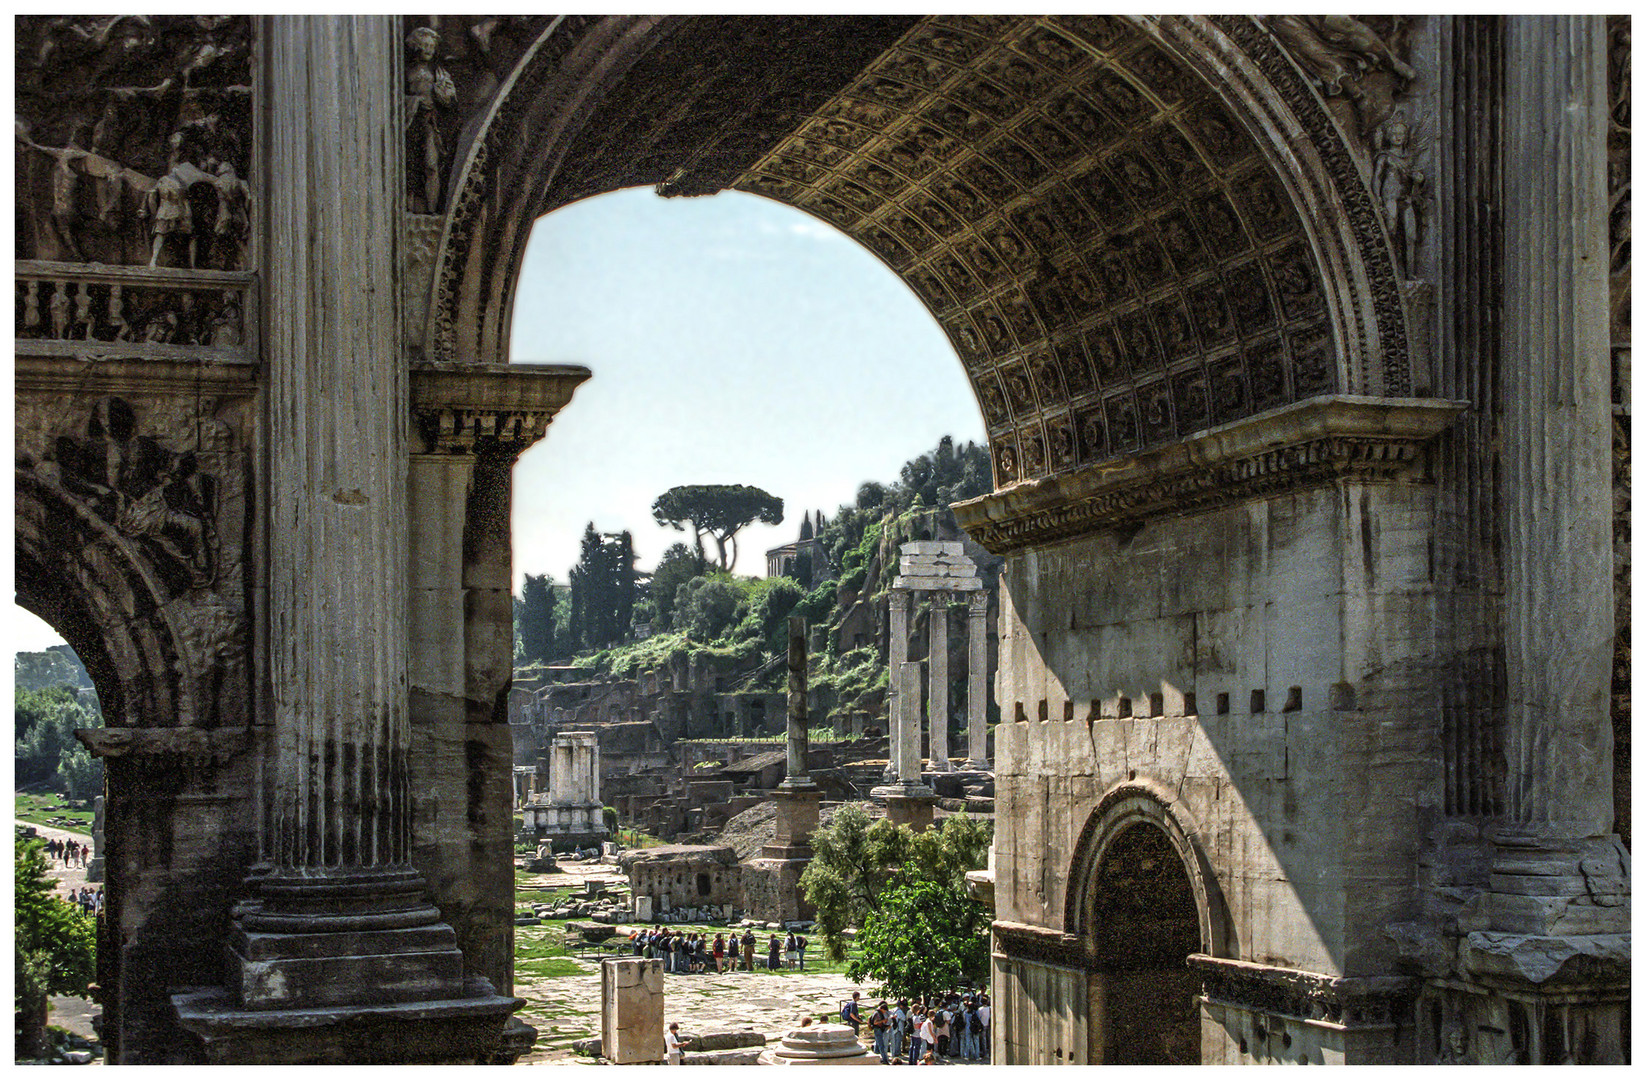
112, 614
518, 147
1141, 803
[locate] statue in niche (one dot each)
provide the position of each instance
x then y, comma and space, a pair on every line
60, 311
82, 311
117, 314
31, 306
1398, 184
429, 92
1348, 60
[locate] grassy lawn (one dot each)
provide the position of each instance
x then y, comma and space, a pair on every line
51, 809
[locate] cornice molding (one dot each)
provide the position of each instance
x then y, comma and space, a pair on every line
1305, 444
462, 408
1367, 1001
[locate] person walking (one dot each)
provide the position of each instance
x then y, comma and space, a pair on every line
800, 950
852, 1014
671, 1042
880, 1022
748, 950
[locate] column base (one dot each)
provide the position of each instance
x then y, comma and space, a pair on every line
475, 1027
979, 765
1545, 885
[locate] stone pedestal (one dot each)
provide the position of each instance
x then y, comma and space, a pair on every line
819, 1044
913, 810
570, 814
631, 1011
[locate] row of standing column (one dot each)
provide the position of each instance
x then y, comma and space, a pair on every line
903, 705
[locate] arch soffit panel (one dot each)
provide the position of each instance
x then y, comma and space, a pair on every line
1144, 802
1131, 229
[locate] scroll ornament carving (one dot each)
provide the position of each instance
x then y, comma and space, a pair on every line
132, 134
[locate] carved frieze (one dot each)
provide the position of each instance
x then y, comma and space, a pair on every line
134, 139
74, 309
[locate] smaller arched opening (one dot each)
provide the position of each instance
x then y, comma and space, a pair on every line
1145, 924
1142, 895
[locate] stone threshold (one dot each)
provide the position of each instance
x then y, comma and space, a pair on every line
1295, 446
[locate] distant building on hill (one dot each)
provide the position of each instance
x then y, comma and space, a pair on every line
805, 560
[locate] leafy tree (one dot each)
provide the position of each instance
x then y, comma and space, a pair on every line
720, 510
923, 937
56, 666
45, 724
678, 565
603, 588
56, 947
81, 774
536, 619
855, 860
706, 607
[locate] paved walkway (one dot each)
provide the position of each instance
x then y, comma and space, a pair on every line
72, 1013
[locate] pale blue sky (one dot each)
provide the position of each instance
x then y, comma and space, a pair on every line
733, 340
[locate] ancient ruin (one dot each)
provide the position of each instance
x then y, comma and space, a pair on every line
1302, 344
569, 815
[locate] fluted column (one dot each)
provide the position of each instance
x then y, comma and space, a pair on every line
1556, 455
977, 680
937, 667
337, 384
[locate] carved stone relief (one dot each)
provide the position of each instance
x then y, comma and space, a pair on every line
107, 308
133, 136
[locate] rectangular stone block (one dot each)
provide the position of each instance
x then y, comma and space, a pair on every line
631, 1011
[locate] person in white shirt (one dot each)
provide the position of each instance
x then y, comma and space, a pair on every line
671, 1040
985, 1028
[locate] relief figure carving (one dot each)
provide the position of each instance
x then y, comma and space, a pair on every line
1398, 185
430, 92
1348, 60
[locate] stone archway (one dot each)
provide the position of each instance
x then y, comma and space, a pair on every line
1142, 899
1130, 229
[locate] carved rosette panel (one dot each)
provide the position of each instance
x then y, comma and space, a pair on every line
1102, 241
134, 139
156, 486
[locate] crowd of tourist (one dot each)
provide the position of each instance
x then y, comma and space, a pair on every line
693, 952
68, 852
88, 901
950, 1026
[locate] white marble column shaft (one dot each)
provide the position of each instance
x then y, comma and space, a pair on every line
1556, 438
908, 724
337, 429
977, 679
897, 647
937, 667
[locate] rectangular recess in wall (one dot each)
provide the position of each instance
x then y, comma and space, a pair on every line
1257, 701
